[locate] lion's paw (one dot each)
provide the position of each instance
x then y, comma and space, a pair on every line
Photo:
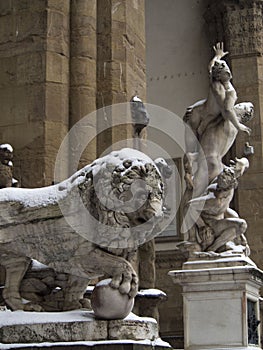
127, 283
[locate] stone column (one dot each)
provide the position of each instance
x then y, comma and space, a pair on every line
56, 88
240, 25
120, 64
83, 73
121, 75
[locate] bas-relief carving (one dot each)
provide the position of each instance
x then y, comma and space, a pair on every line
211, 225
32, 226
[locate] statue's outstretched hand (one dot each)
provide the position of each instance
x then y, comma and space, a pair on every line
244, 128
219, 50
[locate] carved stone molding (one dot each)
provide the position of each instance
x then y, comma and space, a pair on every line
169, 259
238, 23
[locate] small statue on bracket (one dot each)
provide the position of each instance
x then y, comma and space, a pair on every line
139, 115
6, 167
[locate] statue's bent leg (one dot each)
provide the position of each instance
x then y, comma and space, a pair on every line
15, 267
207, 170
189, 159
227, 230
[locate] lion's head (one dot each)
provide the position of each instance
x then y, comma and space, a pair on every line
125, 196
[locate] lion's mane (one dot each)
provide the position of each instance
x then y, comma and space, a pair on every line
108, 196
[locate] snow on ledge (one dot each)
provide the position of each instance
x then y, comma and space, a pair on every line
152, 292
8, 318
157, 342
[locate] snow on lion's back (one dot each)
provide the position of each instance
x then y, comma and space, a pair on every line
49, 195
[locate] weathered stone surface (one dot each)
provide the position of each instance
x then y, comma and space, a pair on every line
83, 71
213, 294
58, 32
24, 327
84, 8
133, 329
83, 67
81, 101
53, 331
117, 40
171, 311
84, 46
57, 68
73, 242
31, 68
56, 103
59, 5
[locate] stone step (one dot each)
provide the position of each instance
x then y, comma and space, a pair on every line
21, 327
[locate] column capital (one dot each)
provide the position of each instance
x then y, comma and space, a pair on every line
238, 23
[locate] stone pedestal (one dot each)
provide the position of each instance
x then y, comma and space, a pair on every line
221, 303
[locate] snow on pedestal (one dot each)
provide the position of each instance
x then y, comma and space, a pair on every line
221, 303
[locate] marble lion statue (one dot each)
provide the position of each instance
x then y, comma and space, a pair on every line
85, 227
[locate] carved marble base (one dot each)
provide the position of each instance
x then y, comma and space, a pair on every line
72, 326
221, 303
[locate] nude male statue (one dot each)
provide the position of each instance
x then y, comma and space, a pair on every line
215, 123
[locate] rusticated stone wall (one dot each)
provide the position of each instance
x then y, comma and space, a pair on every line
34, 78
59, 61
23, 75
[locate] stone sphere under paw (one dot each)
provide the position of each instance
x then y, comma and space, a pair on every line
108, 303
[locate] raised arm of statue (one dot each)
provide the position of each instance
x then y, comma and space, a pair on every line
219, 53
222, 89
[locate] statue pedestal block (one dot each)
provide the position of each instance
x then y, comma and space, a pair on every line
77, 328
221, 303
